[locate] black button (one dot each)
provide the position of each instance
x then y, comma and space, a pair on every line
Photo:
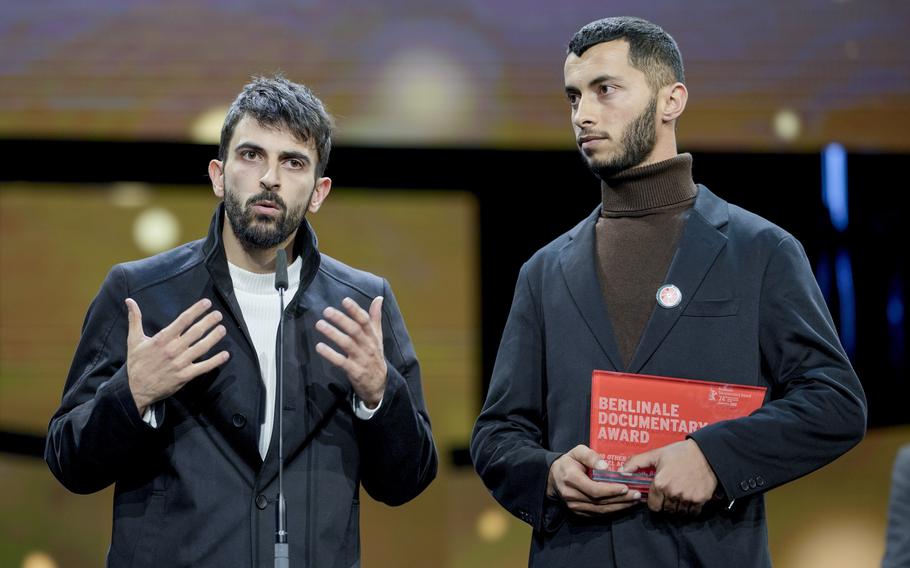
760, 480
262, 502
239, 420
752, 483
744, 485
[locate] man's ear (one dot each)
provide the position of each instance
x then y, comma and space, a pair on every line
216, 174
320, 193
674, 102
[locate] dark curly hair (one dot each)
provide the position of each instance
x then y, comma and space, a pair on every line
276, 102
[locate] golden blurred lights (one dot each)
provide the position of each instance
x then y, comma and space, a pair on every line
206, 129
155, 230
130, 195
787, 125
425, 95
38, 559
492, 525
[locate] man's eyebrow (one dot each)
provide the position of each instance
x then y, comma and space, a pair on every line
592, 83
249, 146
600, 79
294, 155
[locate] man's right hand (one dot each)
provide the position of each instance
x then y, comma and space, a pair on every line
160, 365
568, 480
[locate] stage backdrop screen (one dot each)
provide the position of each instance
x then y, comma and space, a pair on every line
779, 74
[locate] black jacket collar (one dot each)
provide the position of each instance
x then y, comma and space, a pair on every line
305, 245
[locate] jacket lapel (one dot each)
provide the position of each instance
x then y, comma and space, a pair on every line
698, 247
579, 269
299, 424
313, 389
313, 393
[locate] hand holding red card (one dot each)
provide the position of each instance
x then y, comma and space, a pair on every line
632, 414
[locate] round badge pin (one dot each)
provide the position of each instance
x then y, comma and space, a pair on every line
669, 296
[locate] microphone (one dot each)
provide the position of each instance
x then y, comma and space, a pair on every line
281, 271
281, 534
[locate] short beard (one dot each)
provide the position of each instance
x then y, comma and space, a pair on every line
637, 143
268, 233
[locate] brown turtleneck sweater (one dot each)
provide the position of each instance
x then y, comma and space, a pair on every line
643, 212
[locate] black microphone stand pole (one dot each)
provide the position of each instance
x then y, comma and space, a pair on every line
281, 533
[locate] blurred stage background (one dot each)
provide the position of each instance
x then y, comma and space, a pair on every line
454, 162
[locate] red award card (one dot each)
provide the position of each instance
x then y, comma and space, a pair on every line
631, 414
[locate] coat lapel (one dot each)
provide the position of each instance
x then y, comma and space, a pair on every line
698, 247
579, 269
301, 413
314, 391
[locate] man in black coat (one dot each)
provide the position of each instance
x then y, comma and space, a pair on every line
663, 278
172, 394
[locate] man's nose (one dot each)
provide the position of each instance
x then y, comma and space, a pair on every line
269, 180
584, 116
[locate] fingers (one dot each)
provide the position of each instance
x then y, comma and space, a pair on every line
588, 457
655, 500
202, 346
356, 338
641, 461
340, 320
135, 332
683, 479
658, 501
357, 326
376, 314
583, 495
597, 492
340, 339
572, 477
199, 328
202, 367
621, 498
577, 477
357, 313
331, 355
356, 320
183, 321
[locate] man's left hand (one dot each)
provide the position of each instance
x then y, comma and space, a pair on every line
683, 478
359, 335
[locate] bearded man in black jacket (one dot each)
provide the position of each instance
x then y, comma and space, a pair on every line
172, 391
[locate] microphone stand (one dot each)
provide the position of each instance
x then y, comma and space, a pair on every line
281, 534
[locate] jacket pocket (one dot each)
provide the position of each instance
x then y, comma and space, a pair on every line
712, 308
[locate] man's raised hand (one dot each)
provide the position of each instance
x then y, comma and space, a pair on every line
160, 365
359, 334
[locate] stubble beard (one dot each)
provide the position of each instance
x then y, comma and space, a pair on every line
257, 231
637, 143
